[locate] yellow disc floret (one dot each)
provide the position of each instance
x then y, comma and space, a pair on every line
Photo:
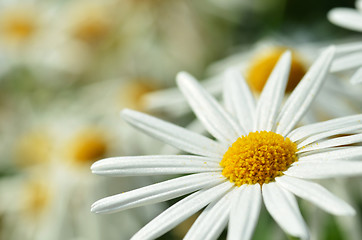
88, 145
37, 197
262, 65
90, 23
18, 24
131, 94
33, 148
259, 157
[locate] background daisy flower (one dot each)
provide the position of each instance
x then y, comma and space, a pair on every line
256, 156
351, 53
347, 17
256, 63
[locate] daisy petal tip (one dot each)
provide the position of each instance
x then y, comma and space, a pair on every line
348, 211
92, 167
96, 164
305, 236
358, 4
331, 15
288, 55
357, 77
97, 208
125, 112
232, 70
330, 51
334, 15
183, 76
286, 58
95, 170
232, 73
355, 81
94, 208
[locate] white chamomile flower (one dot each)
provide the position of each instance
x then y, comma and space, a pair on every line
350, 19
25, 29
29, 209
347, 17
256, 64
257, 156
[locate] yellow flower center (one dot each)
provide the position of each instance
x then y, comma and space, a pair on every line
33, 148
88, 146
259, 157
131, 94
37, 197
18, 24
91, 26
261, 67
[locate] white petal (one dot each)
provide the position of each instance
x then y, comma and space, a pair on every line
213, 220
357, 77
330, 125
174, 135
347, 18
345, 153
170, 100
158, 192
317, 194
332, 105
155, 165
173, 102
303, 95
324, 169
272, 94
180, 211
215, 119
326, 134
244, 212
347, 62
283, 207
346, 48
240, 98
358, 5
340, 141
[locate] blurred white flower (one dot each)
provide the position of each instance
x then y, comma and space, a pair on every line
51, 159
352, 52
347, 17
256, 63
26, 29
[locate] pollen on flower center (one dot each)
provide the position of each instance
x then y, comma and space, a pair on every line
90, 24
259, 157
18, 24
131, 94
88, 145
37, 197
262, 66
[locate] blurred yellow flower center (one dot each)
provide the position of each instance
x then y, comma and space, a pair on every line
259, 157
33, 148
261, 67
18, 24
131, 94
88, 146
37, 197
91, 27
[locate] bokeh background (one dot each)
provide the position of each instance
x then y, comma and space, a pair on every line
68, 67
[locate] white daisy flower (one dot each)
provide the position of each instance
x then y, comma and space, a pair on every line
25, 30
347, 17
256, 64
351, 53
256, 157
